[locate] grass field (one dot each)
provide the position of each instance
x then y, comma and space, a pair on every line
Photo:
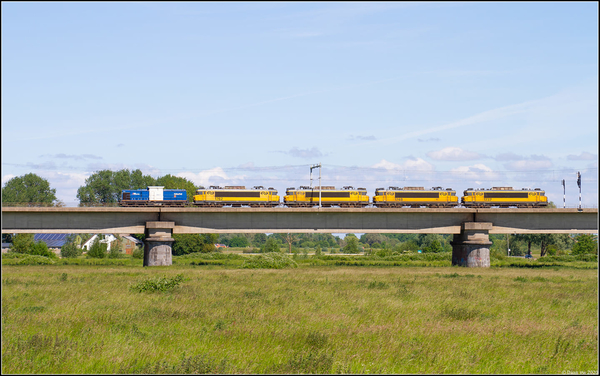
311, 319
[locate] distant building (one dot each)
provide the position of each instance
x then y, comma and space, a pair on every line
55, 241
108, 239
128, 242
220, 245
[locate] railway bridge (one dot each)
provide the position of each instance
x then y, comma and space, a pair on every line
471, 227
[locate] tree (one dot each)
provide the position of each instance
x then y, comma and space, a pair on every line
239, 241
105, 186
289, 238
187, 243
434, 247
97, 250
585, 244
21, 243
351, 244
175, 182
270, 245
259, 240
28, 188
70, 249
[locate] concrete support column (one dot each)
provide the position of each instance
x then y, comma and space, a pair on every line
471, 248
157, 246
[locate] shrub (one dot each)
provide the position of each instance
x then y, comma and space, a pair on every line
273, 260
70, 250
270, 246
157, 284
138, 253
97, 250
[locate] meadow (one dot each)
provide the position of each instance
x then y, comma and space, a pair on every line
214, 318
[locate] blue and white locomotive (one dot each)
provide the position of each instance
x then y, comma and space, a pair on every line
153, 196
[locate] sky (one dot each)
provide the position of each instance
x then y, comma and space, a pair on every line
453, 94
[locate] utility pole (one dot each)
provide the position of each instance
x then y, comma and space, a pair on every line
311, 168
579, 184
564, 194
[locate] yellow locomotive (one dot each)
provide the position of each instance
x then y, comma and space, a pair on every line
415, 197
236, 196
348, 197
504, 197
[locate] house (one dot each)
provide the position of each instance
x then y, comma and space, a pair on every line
220, 245
53, 241
128, 243
108, 239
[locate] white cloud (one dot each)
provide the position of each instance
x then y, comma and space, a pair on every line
453, 154
411, 164
209, 177
584, 156
477, 173
6, 178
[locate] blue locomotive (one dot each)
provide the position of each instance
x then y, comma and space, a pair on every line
153, 196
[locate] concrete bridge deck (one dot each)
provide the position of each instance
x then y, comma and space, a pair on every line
299, 220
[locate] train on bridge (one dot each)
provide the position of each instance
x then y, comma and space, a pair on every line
329, 196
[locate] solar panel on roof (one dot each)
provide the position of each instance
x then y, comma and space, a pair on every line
52, 240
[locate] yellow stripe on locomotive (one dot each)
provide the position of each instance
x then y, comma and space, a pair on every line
504, 197
329, 196
236, 196
415, 197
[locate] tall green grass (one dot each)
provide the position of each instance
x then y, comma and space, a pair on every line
87, 319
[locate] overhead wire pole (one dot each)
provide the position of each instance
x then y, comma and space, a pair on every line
564, 194
311, 168
579, 185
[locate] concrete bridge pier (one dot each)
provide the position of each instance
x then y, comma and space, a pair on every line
471, 248
157, 246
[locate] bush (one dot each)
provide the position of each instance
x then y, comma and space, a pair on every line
273, 260
586, 244
97, 250
35, 260
138, 253
70, 250
157, 284
270, 246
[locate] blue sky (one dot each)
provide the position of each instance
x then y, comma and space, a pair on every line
459, 95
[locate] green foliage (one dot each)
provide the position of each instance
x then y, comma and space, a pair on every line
270, 245
138, 253
239, 241
105, 186
273, 260
114, 252
70, 249
259, 240
21, 243
157, 284
97, 249
585, 244
175, 182
434, 247
28, 188
351, 244
190, 243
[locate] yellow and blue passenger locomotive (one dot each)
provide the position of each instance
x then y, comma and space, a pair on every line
504, 197
415, 197
236, 196
348, 197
